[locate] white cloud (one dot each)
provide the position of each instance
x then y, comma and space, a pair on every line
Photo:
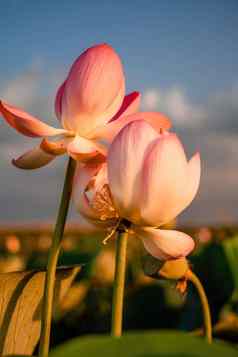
222, 110
23, 89
150, 99
34, 90
173, 102
219, 112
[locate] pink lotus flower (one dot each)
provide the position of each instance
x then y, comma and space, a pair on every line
147, 181
91, 106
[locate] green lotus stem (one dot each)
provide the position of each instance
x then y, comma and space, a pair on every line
119, 284
48, 297
205, 306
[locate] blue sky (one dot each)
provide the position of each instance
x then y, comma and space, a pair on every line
190, 42
182, 55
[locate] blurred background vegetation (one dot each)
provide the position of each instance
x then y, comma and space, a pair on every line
149, 303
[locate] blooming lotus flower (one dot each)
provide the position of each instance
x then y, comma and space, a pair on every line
147, 181
91, 106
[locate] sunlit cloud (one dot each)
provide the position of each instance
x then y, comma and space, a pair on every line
175, 103
218, 113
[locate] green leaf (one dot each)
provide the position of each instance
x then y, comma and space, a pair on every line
230, 247
145, 344
20, 307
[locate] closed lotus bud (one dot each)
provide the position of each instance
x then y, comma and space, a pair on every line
94, 89
174, 269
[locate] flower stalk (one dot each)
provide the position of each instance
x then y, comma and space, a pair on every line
119, 284
205, 306
52, 261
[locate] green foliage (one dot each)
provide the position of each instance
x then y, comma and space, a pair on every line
230, 247
146, 344
20, 307
212, 268
149, 303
